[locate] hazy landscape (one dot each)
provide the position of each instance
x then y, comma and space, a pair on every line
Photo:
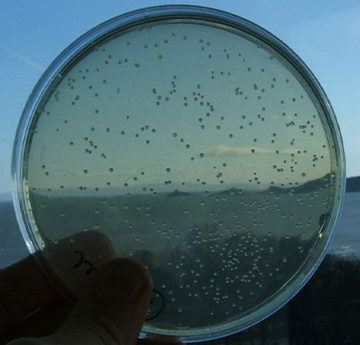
229, 248
235, 253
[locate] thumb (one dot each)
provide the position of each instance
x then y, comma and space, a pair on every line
111, 310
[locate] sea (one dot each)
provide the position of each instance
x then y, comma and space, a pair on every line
345, 242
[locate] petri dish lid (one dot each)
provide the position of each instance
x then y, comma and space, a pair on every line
200, 145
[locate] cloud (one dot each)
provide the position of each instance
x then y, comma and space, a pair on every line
229, 151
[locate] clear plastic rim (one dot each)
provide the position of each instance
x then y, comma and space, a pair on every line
180, 12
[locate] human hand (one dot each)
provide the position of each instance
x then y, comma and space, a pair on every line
111, 308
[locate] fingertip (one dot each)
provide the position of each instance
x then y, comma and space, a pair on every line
122, 282
113, 307
75, 258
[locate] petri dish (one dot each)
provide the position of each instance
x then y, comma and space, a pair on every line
201, 146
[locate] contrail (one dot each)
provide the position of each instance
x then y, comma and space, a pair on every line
24, 59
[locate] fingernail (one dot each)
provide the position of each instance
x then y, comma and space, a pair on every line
119, 282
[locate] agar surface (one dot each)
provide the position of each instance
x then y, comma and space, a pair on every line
199, 153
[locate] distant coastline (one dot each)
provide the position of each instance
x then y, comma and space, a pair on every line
352, 186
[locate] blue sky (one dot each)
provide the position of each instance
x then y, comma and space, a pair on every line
325, 34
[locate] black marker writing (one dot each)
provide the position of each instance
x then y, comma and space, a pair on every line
82, 261
158, 304
157, 301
